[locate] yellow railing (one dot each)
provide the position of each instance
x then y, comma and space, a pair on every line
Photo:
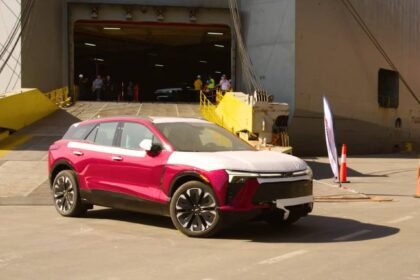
220, 113
60, 97
207, 110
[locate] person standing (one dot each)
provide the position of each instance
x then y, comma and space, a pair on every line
130, 91
97, 86
224, 83
211, 87
121, 95
211, 84
83, 88
136, 92
198, 84
108, 88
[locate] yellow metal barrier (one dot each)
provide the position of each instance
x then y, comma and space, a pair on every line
20, 109
250, 119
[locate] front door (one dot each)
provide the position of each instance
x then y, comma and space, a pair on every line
139, 173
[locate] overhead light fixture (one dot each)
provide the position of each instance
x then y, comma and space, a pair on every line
90, 44
203, 61
112, 28
215, 33
99, 59
218, 72
128, 15
219, 46
193, 17
159, 14
94, 13
159, 65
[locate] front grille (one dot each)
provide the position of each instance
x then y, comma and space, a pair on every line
268, 192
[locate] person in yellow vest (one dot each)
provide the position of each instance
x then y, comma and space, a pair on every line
211, 84
211, 87
198, 84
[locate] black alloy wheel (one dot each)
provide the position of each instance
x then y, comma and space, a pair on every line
194, 210
65, 191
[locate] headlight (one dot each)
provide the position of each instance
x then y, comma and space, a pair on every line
306, 172
240, 176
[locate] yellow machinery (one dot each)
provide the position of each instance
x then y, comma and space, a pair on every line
254, 118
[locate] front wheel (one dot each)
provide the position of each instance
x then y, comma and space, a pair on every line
194, 210
65, 191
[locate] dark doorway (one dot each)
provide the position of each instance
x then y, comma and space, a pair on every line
154, 55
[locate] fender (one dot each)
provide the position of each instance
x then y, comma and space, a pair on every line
57, 164
186, 174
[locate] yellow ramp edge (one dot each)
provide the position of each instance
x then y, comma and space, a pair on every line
20, 109
12, 142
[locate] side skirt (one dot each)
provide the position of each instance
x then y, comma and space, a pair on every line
124, 202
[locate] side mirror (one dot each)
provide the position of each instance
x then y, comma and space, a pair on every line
155, 149
149, 147
146, 144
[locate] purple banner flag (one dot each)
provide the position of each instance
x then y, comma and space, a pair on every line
330, 138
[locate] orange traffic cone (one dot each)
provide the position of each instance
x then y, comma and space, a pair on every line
343, 165
418, 182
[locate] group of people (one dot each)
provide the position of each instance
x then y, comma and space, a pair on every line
210, 85
105, 89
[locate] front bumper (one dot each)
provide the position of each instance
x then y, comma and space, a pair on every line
260, 193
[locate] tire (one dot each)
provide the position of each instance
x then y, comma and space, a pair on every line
195, 211
66, 197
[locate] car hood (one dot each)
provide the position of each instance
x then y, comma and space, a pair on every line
253, 161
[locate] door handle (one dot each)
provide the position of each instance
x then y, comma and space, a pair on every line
117, 158
77, 153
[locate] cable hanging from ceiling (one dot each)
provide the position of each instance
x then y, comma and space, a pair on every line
252, 82
16, 33
12, 41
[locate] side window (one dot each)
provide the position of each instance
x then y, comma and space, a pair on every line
134, 133
91, 136
105, 133
78, 131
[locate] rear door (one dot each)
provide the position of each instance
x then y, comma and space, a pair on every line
100, 146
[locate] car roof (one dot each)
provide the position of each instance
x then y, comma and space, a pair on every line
152, 119
176, 120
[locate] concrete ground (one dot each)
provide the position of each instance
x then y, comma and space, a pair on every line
342, 239
339, 240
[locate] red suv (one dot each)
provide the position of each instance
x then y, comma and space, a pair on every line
191, 170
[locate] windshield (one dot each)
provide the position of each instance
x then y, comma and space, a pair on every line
201, 137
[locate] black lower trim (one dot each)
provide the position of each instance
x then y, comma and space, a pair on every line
268, 192
125, 202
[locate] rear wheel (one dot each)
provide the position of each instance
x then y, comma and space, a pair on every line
194, 210
65, 191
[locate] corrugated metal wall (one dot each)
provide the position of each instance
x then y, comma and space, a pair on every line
10, 77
